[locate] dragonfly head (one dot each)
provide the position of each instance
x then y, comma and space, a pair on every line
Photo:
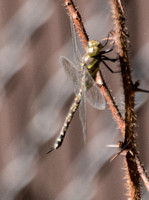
93, 48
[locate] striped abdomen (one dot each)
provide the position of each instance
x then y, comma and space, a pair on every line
68, 119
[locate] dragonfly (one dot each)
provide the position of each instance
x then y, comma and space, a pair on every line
83, 77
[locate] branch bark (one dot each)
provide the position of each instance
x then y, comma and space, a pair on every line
132, 172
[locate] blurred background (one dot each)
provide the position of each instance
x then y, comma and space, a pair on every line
35, 96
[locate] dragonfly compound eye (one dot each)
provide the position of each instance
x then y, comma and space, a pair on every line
93, 48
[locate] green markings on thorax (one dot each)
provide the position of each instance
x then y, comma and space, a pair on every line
91, 58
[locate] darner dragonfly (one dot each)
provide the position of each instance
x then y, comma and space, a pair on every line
83, 78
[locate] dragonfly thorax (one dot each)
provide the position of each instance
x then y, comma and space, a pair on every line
92, 57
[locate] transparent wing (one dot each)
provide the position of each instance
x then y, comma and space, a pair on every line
93, 93
75, 41
73, 72
82, 115
82, 108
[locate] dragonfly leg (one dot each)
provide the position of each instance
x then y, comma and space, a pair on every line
110, 68
108, 50
123, 147
110, 59
107, 38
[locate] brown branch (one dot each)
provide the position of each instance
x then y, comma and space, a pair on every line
129, 94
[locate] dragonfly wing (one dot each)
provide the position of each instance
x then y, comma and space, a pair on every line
72, 72
93, 93
82, 115
95, 98
75, 40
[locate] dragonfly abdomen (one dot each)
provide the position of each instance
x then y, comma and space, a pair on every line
68, 119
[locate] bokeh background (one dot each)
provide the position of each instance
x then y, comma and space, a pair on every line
35, 96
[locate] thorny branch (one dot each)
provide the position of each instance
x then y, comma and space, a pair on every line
135, 169
129, 94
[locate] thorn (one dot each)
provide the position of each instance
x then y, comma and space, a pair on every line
122, 147
121, 6
142, 90
136, 85
113, 145
117, 154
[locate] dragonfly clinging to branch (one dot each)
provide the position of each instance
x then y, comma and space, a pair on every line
83, 78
